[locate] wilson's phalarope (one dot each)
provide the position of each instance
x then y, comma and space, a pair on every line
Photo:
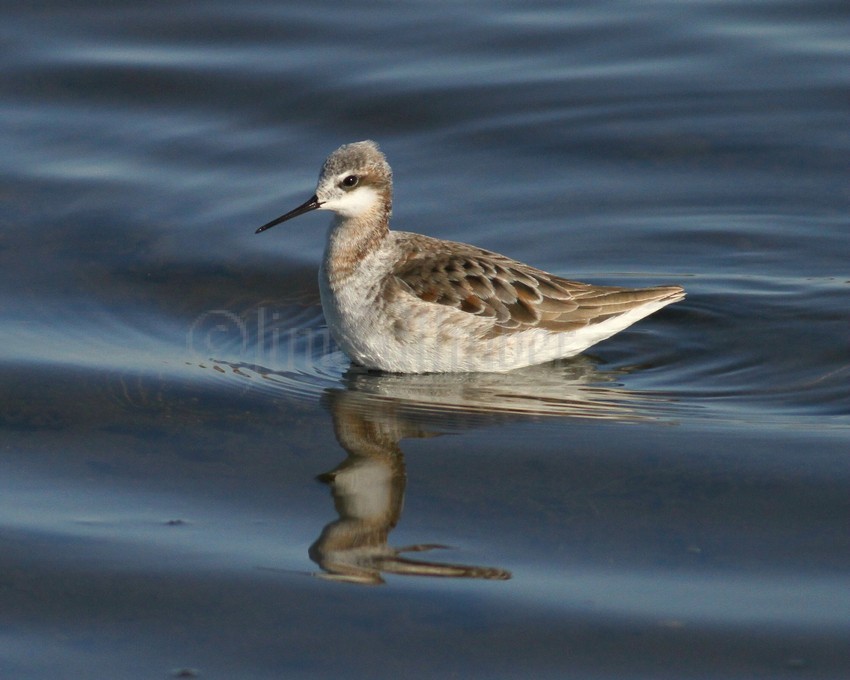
407, 303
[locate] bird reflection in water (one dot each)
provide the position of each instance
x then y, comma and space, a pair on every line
368, 492
377, 410
372, 412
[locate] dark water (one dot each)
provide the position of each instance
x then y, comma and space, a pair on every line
673, 504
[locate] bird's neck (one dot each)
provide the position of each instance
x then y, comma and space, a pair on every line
350, 239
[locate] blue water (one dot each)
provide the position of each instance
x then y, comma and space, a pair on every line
195, 483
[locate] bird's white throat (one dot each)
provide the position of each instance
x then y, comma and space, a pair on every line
355, 204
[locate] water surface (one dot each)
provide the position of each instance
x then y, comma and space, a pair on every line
194, 479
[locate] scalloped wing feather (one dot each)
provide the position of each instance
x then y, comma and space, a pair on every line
514, 295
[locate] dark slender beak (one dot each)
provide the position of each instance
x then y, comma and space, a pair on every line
312, 204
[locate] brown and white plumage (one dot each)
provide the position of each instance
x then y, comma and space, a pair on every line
514, 295
403, 302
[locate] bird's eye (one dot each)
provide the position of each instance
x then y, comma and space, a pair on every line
350, 181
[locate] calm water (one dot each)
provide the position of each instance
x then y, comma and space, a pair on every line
194, 481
